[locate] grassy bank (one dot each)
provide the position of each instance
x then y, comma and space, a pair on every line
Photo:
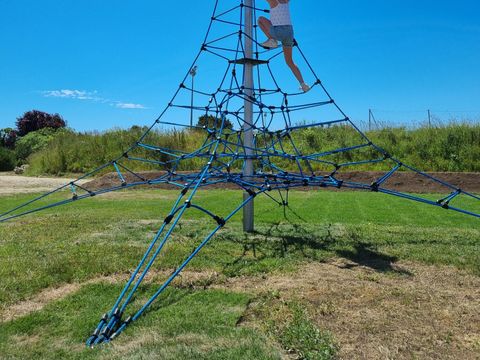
454, 147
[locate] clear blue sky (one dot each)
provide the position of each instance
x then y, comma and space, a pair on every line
121, 60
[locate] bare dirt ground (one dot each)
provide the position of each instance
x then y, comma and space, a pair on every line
405, 311
16, 184
400, 181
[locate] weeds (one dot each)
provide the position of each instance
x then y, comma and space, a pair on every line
289, 323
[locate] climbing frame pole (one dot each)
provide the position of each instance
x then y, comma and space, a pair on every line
248, 210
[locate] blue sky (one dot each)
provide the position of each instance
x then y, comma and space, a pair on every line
116, 63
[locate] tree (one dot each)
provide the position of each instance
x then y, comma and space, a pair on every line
211, 121
35, 120
8, 137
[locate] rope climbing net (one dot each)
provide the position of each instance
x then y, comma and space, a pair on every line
283, 156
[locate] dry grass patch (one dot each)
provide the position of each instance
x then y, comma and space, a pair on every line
408, 311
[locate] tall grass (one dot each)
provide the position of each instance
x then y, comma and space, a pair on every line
454, 147
74, 152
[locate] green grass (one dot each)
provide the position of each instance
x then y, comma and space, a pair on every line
189, 325
453, 147
108, 235
104, 236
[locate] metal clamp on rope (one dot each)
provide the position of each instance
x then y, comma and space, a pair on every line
220, 221
117, 314
168, 219
444, 204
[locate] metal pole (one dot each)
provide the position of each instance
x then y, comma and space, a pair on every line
193, 72
248, 210
370, 119
429, 119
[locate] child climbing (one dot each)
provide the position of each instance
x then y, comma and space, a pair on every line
279, 28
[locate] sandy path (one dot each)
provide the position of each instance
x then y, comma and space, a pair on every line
16, 184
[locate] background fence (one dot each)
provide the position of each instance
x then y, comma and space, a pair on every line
378, 119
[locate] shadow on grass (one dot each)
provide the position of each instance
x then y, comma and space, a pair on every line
297, 242
363, 255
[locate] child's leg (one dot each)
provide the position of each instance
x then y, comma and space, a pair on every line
288, 53
265, 25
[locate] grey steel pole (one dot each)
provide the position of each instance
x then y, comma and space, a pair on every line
369, 119
248, 210
193, 72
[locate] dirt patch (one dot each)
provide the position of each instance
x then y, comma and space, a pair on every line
400, 181
15, 184
38, 302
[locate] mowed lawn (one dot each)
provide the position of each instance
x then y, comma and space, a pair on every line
106, 236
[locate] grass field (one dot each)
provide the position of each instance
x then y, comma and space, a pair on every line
85, 251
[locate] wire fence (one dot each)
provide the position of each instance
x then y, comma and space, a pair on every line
379, 119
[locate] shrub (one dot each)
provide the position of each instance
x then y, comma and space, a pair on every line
7, 159
33, 142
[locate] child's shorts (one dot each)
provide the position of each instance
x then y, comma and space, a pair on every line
283, 33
